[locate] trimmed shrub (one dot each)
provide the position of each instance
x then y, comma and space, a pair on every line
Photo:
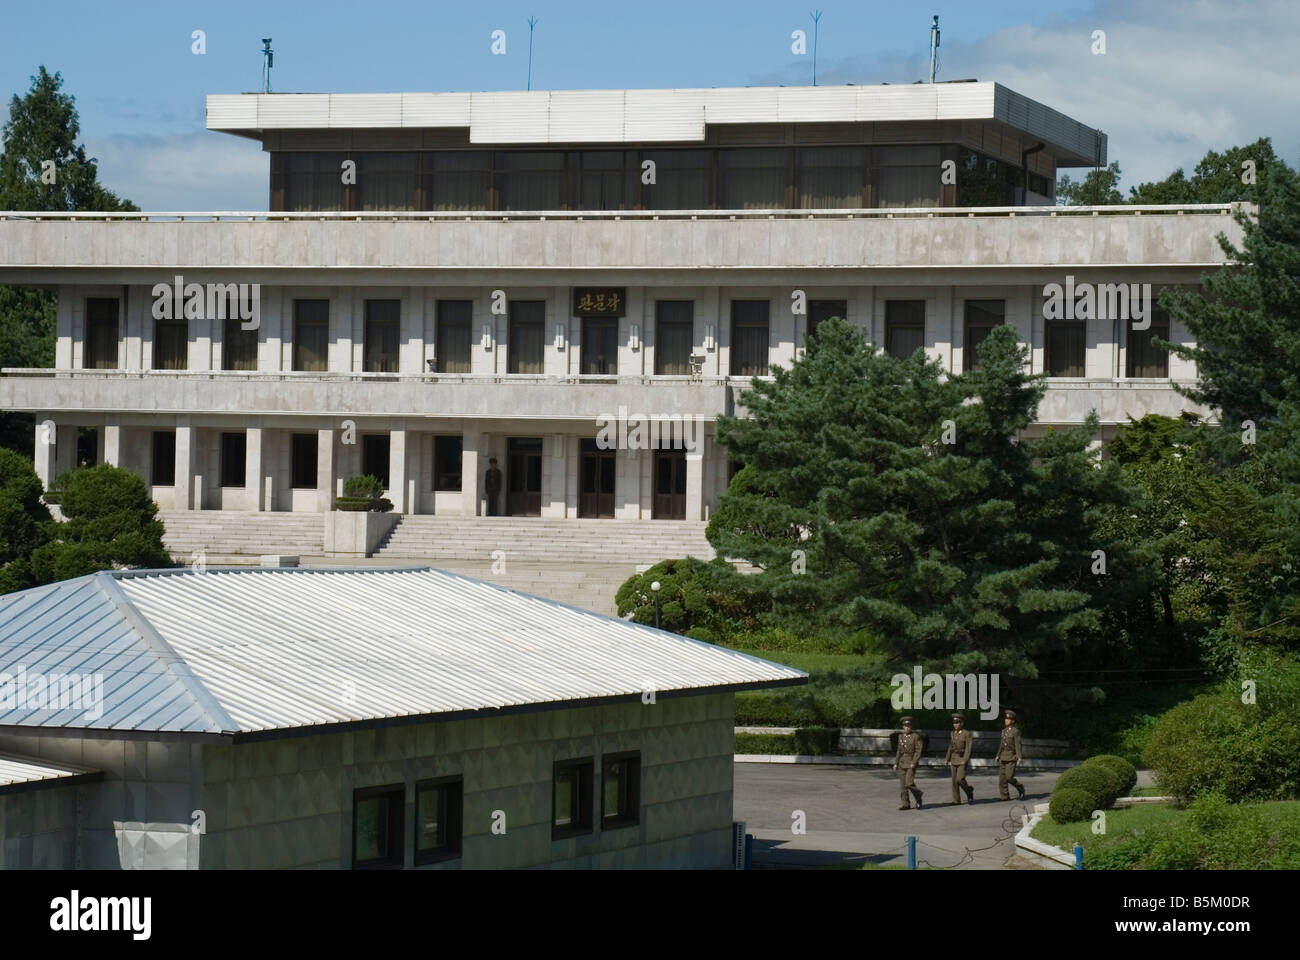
1125, 771
1071, 805
363, 485
1097, 781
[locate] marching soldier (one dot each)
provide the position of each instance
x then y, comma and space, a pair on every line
1009, 756
959, 750
909, 755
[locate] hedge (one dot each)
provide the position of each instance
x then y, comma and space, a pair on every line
1071, 804
1125, 771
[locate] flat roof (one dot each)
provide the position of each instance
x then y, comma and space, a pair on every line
250, 650
655, 116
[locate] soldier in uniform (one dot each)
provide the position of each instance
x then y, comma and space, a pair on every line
1008, 757
959, 750
492, 486
909, 755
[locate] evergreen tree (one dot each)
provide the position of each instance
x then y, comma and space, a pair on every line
1218, 178
1100, 187
24, 521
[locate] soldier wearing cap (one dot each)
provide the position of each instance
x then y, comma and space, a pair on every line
959, 750
1008, 757
909, 755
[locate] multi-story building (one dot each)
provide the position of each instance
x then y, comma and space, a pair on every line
450, 277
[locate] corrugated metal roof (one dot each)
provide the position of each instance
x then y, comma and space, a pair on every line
249, 650
16, 770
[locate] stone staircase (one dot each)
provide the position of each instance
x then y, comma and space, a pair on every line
237, 536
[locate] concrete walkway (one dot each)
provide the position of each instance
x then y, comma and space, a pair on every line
852, 818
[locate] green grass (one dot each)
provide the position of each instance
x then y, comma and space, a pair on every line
1125, 820
1146, 792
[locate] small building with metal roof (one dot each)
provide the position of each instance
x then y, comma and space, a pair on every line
356, 718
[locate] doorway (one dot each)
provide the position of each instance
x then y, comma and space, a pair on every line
596, 496
524, 477
670, 485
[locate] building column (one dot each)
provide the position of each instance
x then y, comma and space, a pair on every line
46, 443
253, 486
695, 484
627, 483
397, 485
112, 442
184, 488
324, 470
555, 487
472, 465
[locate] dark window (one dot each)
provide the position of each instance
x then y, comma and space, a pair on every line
453, 343
749, 334
674, 336
303, 468
238, 346
683, 180
382, 335
1066, 348
313, 181
829, 178
375, 450
531, 181
607, 180
572, 798
527, 336
1143, 357
387, 181
599, 345
820, 310
620, 793
907, 176
984, 181
447, 454
87, 446
904, 327
438, 809
981, 317
162, 472
457, 180
311, 335
101, 334
234, 459
170, 344
754, 179
377, 827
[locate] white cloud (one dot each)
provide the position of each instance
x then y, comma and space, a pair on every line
200, 171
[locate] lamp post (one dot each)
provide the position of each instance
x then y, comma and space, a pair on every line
654, 588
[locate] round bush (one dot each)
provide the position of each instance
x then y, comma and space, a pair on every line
1071, 805
1127, 773
1096, 781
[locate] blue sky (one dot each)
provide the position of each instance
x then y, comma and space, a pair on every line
1178, 77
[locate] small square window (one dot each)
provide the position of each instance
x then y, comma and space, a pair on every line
572, 798
377, 827
620, 790
438, 808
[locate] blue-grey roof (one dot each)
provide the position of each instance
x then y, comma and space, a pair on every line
253, 650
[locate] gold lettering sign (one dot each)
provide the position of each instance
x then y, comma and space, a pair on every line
599, 301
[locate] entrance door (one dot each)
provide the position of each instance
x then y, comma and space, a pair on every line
596, 497
524, 477
670, 485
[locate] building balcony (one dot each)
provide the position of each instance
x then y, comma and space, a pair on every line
904, 245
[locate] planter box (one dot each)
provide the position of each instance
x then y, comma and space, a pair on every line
356, 534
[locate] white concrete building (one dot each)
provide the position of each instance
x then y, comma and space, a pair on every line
445, 278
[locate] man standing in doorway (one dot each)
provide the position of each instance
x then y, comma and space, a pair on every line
492, 486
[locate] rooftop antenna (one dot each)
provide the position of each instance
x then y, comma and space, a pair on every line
532, 22
934, 44
816, 17
268, 60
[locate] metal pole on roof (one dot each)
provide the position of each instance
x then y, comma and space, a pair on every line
816, 17
268, 60
532, 22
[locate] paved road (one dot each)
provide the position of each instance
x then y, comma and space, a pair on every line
852, 816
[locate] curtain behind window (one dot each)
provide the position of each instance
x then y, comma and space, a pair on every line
170, 344
457, 180
749, 338
830, 178
454, 336
311, 335
674, 336
753, 179
387, 181
527, 334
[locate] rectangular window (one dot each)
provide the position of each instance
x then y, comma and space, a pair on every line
313, 181
87, 446
457, 180
447, 458
907, 176
303, 468
527, 336
382, 336
377, 827
311, 335
674, 336
234, 459
1143, 357
1066, 348
683, 180
170, 344
981, 317
607, 180
453, 343
620, 790
238, 346
531, 181
571, 800
438, 818
754, 179
387, 181
162, 472
830, 178
749, 338
101, 334
599, 345
376, 449
819, 310
904, 327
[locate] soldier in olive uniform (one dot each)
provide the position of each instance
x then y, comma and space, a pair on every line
1008, 757
909, 755
959, 750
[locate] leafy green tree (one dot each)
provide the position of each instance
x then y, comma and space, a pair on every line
110, 523
1100, 187
1216, 179
24, 520
884, 495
